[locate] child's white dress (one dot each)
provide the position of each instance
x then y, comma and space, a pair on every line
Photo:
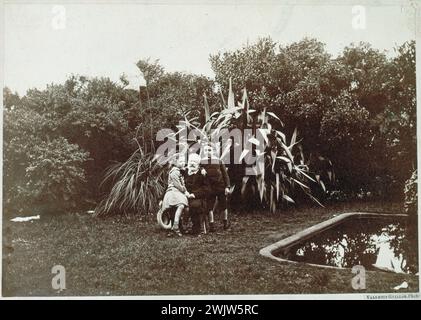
174, 196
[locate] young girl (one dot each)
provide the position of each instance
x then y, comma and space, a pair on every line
176, 194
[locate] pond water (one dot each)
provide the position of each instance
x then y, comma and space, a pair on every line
375, 243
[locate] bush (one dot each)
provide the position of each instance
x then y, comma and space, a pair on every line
345, 130
50, 179
94, 115
137, 186
358, 109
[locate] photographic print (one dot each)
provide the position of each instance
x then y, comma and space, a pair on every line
210, 149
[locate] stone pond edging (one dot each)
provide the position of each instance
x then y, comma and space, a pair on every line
301, 236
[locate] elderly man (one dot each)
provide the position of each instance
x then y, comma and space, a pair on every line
198, 187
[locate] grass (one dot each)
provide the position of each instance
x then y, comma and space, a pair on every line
131, 256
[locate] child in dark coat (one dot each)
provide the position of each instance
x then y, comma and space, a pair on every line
219, 181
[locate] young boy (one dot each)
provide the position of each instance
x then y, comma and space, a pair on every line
219, 182
198, 187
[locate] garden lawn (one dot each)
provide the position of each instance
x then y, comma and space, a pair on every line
131, 256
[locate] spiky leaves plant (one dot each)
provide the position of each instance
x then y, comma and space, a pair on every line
284, 171
137, 185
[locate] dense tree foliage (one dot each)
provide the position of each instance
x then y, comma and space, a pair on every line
356, 111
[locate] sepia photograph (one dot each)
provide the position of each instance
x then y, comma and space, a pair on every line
210, 149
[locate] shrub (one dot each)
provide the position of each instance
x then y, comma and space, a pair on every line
361, 101
91, 113
284, 174
345, 130
137, 186
50, 179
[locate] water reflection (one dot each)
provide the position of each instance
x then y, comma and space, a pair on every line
385, 244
